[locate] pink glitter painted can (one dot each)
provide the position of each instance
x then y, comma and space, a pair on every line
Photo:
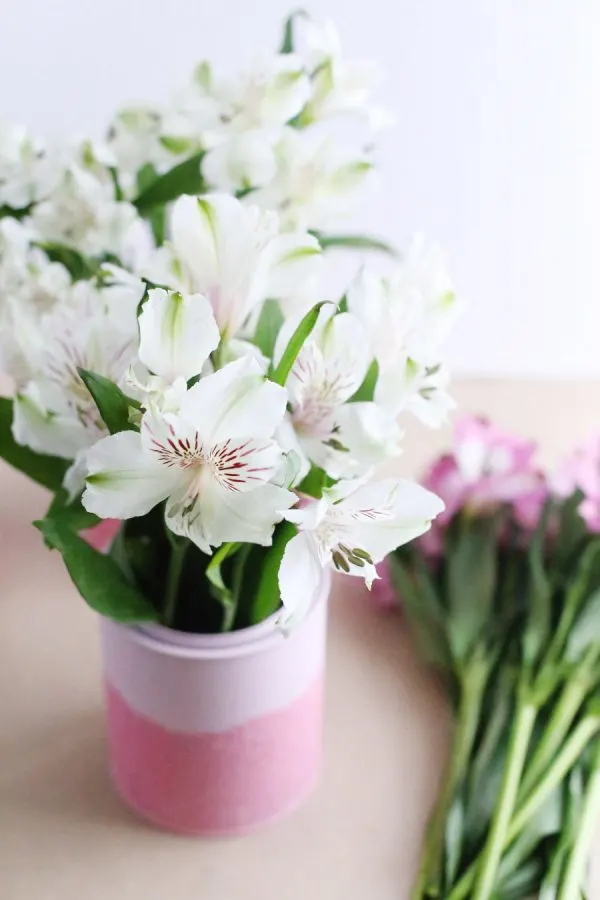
216, 734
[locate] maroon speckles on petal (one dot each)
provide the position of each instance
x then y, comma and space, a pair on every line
232, 464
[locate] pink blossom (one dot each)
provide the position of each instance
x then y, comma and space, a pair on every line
488, 467
582, 471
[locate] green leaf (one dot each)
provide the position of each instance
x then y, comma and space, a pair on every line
571, 534
471, 581
7, 212
78, 266
539, 609
71, 513
523, 882
176, 145
184, 178
296, 342
267, 598
586, 629
228, 597
454, 835
113, 405
146, 176
114, 174
580, 588
48, 471
156, 216
313, 483
213, 570
97, 577
287, 43
268, 327
422, 606
354, 242
366, 391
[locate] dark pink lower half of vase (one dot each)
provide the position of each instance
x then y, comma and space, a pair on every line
217, 783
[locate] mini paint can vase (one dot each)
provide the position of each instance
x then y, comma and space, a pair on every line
216, 734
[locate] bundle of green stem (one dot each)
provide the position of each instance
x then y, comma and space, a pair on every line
513, 621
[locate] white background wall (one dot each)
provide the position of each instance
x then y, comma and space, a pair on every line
496, 152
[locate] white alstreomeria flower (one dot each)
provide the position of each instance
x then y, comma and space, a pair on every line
177, 334
317, 181
82, 213
95, 330
339, 85
234, 256
343, 438
353, 527
27, 174
407, 318
213, 461
30, 287
253, 109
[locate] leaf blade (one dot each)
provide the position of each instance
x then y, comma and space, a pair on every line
184, 178
355, 242
97, 577
267, 598
295, 344
268, 326
112, 404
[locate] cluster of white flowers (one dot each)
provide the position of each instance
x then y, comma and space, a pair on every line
266, 131
215, 435
246, 402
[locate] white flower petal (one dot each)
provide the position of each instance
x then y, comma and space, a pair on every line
44, 431
309, 515
300, 574
241, 464
295, 265
74, 480
123, 480
383, 515
237, 349
220, 241
236, 401
194, 238
287, 89
345, 347
287, 439
177, 333
246, 160
370, 436
217, 515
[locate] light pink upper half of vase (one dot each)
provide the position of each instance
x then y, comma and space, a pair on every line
190, 690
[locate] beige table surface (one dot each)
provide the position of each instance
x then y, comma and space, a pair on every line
65, 836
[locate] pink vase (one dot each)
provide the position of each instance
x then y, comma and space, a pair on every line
215, 734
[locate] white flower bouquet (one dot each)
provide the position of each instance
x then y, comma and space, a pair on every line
172, 368
181, 381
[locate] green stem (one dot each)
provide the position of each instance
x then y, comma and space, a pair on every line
565, 761
430, 870
178, 551
566, 710
571, 888
561, 634
569, 755
231, 603
494, 846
